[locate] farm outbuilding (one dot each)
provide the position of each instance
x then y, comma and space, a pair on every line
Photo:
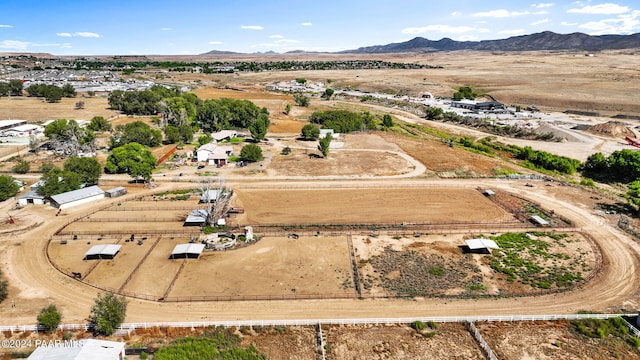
106, 251
196, 217
31, 197
209, 196
187, 251
77, 197
115, 192
80, 349
539, 221
481, 245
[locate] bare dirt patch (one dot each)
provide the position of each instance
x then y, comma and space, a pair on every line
291, 342
362, 206
36, 109
340, 162
448, 341
277, 267
446, 161
550, 340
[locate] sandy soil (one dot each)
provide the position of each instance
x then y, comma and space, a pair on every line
450, 341
273, 267
35, 109
349, 206
550, 340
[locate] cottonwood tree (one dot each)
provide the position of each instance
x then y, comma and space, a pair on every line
8, 187
324, 144
216, 208
310, 132
108, 312
133, 159
251, 152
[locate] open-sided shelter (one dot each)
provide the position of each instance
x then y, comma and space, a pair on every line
187, 251
105, 251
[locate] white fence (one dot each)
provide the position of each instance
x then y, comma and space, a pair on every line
315, 322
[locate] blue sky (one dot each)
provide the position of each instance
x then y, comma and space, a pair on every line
138, 27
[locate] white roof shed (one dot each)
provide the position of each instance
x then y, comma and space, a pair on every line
80, 349
106, 251
187, 251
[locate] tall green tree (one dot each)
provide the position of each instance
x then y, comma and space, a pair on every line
68, 91
15, 87
8, 187
301, 100
108, 312
49, 318
133, 159
260, 127
138, 132
310, 132
99, 124
324, 145
4, 288
57, 181
172, 134
88, 169
4, 88
251, 152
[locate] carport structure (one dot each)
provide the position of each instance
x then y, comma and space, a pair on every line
187, 251
107, 251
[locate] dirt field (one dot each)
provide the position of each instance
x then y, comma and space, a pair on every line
449, 341
550, 340
349, 206
278, 267
35, 109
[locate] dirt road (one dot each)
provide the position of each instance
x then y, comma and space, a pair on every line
35, 283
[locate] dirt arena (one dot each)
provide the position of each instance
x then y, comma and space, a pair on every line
364, 206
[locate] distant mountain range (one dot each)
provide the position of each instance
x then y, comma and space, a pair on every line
540, 41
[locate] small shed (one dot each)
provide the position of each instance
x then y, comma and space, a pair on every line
539, 221
77, 197
481, 245
115, 192
209, 196
489, 193
106, 251
223, 135
31, 197
196, 217
187, 251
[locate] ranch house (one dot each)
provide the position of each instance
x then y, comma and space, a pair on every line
213, 154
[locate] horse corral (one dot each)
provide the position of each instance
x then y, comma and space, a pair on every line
301, 262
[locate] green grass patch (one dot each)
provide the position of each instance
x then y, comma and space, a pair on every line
531, 260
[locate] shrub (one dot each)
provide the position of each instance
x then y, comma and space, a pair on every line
49, 318
418, 325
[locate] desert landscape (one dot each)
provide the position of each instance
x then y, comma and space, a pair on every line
375, 230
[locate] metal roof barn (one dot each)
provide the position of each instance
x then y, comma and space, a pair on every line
196, 218
77, 197
182, 251
106, 251
80, 349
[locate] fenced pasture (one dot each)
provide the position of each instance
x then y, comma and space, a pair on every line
305, 248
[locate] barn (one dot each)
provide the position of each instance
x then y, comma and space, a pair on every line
187, 251
77, 197
115, 192
196, 218
106, 251
31, 197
